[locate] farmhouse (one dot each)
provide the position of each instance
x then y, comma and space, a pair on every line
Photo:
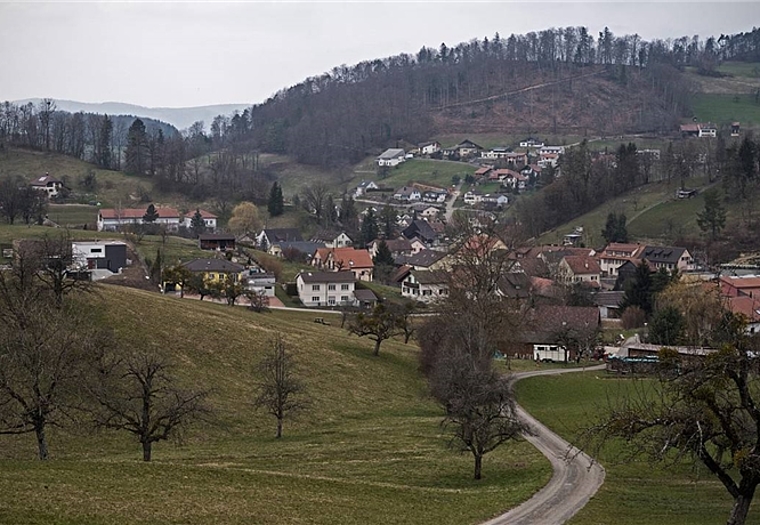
110, 219
391, 157
48, 184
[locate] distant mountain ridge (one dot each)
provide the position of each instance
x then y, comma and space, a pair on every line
181, 118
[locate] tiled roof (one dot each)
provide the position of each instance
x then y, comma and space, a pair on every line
424, 258
283, 234
352, 258
137, 213
430, 276
662, 254
580, 265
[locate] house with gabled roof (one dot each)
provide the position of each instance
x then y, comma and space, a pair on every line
668, 257
332, 239
429, 148
215, 270
363, 187
50, 185
396, 246
426, 286
113, 219
422, 230
407, 194
269, 236
574, 269
391, 157
358, 262
615, 254
317, 289
425, 260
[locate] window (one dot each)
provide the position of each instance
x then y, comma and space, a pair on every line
344, 298
315, 299
96, 250
314, 287
344, 287
331, 287
331, 301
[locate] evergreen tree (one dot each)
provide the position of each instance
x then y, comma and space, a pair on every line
136, 162
712, 219
151, 214
667, 327
275, 204
615, 229
638, 289
388, 222
103, 145
197, 226
383, 255
369, 228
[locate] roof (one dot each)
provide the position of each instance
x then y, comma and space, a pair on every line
352, 258
608, 299
364, 295
662, 254
213, 265
739, 282
45, 180
283, 234
424, 258
581, 265
467, 143
515, 285
400, 273
397, 245
204, 214
747, 306
391, 153
326, 277
430, 276
546, 322
533, 267
622, 247
307, 247
406, 190
137, 213
483, 170
326, 235
421, 229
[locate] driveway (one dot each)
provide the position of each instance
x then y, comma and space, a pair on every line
576, 476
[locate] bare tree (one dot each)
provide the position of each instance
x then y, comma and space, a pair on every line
44, 354
139, 394
315, 199
259, 300
55, 258
280, 391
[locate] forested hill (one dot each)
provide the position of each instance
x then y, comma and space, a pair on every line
553, 81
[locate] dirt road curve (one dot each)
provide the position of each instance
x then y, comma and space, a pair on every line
575, 480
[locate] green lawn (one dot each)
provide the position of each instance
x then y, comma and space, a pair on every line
741, 69
635, 493
426, 171
722, 109
368, 450
73, 214
670, 219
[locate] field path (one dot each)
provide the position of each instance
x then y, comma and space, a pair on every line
576, 476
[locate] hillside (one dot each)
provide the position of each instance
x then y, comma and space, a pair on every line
368, 450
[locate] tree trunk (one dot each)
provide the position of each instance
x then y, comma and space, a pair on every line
147, 449
279, 428
478, 466
741, 508
41, 442
377, 347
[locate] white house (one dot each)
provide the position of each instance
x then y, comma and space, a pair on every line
559, 150
391, 157
425, 286
497, 199
209, 219
429, 148
472, 197
326, 288
110, 219
363, 187
531, 143
408, 193
48, 184
514, 180
259, 282
332, 239
99, 255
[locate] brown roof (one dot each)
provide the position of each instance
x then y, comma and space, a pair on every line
137, 213
741, 282
430, 276
326, 277
747, 306
547, 321
581, 265
352, 258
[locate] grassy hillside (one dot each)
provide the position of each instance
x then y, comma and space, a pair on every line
723, 109
637, 493
369, 449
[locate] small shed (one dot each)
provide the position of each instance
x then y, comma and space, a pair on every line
216, 241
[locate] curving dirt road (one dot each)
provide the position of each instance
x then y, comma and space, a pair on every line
576, 476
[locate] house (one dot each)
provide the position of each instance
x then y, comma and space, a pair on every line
530, 142
615, 254
110, 219
215, 270
216, 241
464, 149
498, 200
472, 197
209, 220
358, 262
430, 148
99, 255
555, 150
267, 237
579, 269
295, 250
496, 153
365, 298
555, 333
514, 286
699, 129
482, 172
749, 307
326, 288
426, 211
332, 239
425, 260
434, 196
740, 286
363, 187
258, 281
391, 157
608, 304
407, 193
670, 258
735, 129
425, 286
514, 180
48, 184
546, 160
421, 229
397, 247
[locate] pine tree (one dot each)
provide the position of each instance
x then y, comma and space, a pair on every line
369, 228
383, 255
151, 215
638, 290
197, 226
712, 219
276, 204
136, 162
103, 146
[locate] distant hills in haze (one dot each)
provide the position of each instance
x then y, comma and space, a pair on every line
181, 118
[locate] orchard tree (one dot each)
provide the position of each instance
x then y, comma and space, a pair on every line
383, 323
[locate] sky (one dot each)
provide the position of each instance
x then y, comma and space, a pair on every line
180, 54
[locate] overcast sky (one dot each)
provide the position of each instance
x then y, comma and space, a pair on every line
172, 54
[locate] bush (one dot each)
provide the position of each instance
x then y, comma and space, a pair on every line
633, 317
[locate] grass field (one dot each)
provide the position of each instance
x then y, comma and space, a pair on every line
73, 214
741, 69
722, 109
368, 450
637, 493
426, 171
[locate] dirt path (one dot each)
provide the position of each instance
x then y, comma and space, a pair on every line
576, 476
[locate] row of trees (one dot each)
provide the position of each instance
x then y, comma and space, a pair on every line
19, 199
